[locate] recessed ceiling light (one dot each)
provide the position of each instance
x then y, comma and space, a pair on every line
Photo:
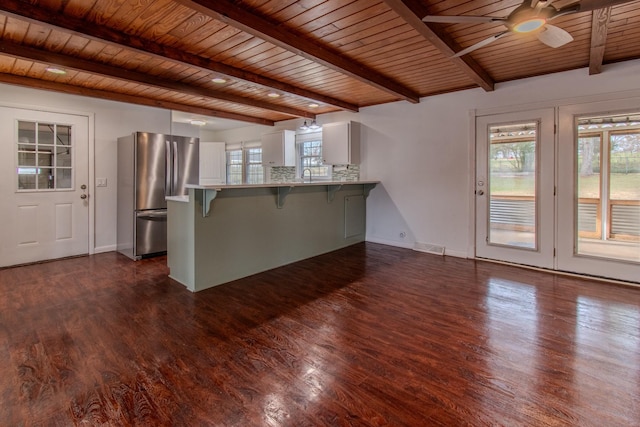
273, 95
219, 80
55, 70
198, 122
314, 105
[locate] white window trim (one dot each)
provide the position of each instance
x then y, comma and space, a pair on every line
243, 146
307, 137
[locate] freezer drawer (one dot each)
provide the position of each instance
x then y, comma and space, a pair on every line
151, 232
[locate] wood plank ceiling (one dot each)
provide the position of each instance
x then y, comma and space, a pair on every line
288, 58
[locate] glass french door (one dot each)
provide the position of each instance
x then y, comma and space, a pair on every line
515, 187
599, 189
569, 202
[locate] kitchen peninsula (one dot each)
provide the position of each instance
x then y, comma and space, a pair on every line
225, 232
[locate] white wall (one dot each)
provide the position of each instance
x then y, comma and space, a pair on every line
419, 152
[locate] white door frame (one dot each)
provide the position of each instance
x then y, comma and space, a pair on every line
91, 166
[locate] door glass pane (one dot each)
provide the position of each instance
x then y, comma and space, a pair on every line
45, 133
45, 178
26, 156
63, 156
45, 156
26, 132
589, 218
63, 178
512, 185
608, 208
63, 135
27, 178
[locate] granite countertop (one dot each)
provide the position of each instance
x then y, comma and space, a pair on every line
278, 184
184, 199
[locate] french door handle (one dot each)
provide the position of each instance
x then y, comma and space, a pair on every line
480, 192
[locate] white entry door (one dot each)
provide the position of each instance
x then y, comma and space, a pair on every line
515, 187
599, 189
43, 185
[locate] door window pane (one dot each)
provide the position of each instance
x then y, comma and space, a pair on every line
46, 133
512, 185
45, 178
608, 203
45, 156
26, 132
27, 178
63, 178
589, 184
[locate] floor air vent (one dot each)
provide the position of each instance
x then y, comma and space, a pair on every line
429, 248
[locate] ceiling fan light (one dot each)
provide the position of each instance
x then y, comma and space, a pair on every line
529, 25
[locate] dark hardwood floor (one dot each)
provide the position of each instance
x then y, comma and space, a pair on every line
369, 335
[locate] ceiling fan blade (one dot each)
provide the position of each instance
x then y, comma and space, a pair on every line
461, 19
480, 44
554, 36
540, 4
586, 5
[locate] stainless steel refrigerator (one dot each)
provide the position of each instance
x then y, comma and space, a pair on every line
151, 167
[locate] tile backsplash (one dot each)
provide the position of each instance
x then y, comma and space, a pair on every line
283, 174
339, 173
346, 173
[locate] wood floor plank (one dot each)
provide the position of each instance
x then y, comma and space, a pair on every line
369, 335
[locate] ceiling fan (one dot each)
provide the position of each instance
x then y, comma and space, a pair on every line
530, 16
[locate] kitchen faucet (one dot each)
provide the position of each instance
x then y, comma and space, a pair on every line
310, 174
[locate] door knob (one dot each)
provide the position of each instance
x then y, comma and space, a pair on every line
480, 192
84, 196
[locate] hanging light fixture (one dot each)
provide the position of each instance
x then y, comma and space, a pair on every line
314, 125
304, 126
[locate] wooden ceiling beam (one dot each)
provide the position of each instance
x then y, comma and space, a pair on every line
239, 17
26, 11
412, 12
69, 62
130, 99
599, 28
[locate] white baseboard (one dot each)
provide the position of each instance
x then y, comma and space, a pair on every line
102, 249
407, 245
457, 254
410, 245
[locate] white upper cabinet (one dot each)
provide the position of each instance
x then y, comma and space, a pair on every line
279, 148
213, 163
341, 143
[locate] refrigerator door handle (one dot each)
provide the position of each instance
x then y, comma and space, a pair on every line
167, 169
160, 214
175, 174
